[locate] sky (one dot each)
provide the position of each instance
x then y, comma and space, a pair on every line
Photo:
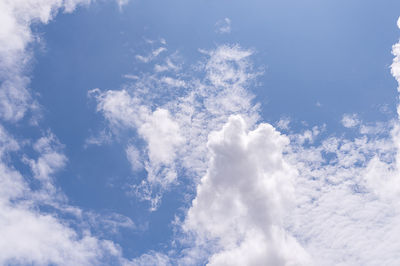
207, 132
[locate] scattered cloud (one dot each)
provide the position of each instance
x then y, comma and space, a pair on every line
103, 137
134, 158
283, 124
350, 120
223, 26
151, 56
176, 131
261, 196
30, 236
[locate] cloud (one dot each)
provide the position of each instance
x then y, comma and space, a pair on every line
348, 231
350, 120
16, 52
159, 130
30, 236
49, 162
241, 200
176, 131
134, 159
16, 37
151, 56
31, 206
316, 199
103, 137
247, 184
168, 65
152, 258
283, 123
223, 26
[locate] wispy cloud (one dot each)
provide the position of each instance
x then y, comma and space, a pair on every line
151, 56
223, 26
350, 120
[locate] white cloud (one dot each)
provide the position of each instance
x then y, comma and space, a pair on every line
152, 258
339, 217
176, 131
168, 65
223, 26
345, 192
103, 137
122, 3
162, 135
174, 82
50, 160
241, 200
157, 128
350, 120
283, 123
398, 23
151, 56
261, 198
30, 236
134, 159
16, 18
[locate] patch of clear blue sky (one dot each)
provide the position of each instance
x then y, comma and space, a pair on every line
336, 53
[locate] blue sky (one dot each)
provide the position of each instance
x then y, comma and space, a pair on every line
199, 132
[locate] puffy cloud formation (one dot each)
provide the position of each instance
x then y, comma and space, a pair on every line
241, 200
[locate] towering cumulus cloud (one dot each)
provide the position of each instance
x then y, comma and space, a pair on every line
242, 199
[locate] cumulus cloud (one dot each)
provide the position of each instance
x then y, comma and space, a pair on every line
241, 200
